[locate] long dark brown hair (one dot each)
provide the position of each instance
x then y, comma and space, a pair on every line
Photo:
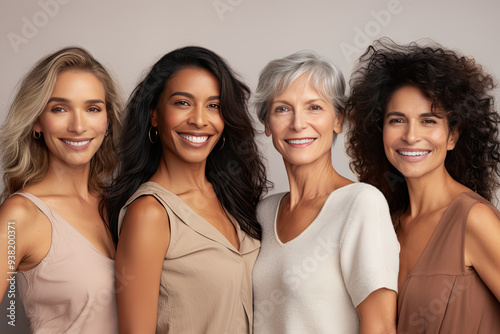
235, 169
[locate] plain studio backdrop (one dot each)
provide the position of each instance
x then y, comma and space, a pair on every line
129, 36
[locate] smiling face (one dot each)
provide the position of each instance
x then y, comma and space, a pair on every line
416, 140
188, 116
74, 121
302, 123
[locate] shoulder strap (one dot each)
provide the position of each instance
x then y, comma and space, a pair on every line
41, 205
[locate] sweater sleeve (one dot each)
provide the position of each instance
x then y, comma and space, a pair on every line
369, 254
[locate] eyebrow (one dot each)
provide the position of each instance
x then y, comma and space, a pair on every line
307, 102
191, 96
63, 100
400, 114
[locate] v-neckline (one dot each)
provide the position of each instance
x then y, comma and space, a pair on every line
241, 236
309, 227
431, 239
58, 216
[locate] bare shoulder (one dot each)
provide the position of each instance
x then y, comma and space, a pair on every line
482, 219
20, 210
145, 234
482, 237
19, 214
146, 210
145, 218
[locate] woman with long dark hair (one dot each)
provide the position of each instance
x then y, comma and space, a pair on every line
57, 156
182, 207
425, 132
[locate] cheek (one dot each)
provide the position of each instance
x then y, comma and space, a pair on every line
276, 126
218, 123
100, 124
50, 124
439, 137
387, 137
167, 120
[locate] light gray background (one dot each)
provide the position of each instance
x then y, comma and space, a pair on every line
129, 36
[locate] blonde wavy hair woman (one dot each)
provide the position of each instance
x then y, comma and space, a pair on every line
25, 160
57, 155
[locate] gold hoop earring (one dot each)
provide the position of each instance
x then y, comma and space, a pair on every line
156, 135
223, 142
37, 135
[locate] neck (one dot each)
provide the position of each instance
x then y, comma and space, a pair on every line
314, 180
432, 191
180, 177
67, 181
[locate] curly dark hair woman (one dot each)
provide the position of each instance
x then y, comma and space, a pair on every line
424, 130
190, 179
454, 83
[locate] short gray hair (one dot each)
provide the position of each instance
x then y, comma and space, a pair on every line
280, 73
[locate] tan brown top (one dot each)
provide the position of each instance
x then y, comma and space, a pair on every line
206, 283
441, 294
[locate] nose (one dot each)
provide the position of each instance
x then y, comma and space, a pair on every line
198, 116
299, 121
77, 122
411, 133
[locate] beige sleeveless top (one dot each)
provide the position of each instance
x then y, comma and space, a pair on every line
205, 284
72, 290
442, 295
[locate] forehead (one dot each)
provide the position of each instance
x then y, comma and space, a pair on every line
408, 99
193, 77
304, 84
78, 83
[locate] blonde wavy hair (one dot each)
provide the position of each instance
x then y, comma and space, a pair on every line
25, 159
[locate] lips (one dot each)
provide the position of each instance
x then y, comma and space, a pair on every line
76, 143
300, 141
195, 139
413, 153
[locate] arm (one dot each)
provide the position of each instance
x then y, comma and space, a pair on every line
370, 262
482, 245
20, 231
144, 240
377, 313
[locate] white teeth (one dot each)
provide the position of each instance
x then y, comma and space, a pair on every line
76, 143
413, 154
300, 141
195, 139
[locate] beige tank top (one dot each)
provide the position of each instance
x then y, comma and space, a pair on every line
72, 289
442, 295
206, 283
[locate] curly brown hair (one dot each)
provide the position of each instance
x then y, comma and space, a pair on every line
454, 83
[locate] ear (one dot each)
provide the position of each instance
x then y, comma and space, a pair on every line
268, 130
37, 127
153, 115
338, 123
452, 139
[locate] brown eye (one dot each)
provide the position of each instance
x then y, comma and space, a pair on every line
57, 109
281, 109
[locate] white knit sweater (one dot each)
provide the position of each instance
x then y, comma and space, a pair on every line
313, 283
